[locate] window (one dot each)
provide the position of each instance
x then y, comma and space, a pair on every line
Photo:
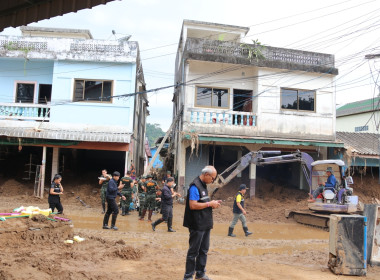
298, 99
212, 97
361, 128
92, 90
25, 92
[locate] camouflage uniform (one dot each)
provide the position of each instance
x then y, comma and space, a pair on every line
141, 195
150, 198
103, 191
127, 192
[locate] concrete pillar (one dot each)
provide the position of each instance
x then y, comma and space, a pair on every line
55, 163
239, 155
181, 167
126, 163
43, 166
252, 180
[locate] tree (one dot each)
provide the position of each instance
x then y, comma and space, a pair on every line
153, 132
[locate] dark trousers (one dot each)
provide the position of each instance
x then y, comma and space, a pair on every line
167, 212
55, 202
196, 259
112, 207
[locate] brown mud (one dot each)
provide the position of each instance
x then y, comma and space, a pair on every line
278, 249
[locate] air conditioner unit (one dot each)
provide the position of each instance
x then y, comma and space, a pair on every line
348, 244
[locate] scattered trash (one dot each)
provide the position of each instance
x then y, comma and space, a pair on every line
62, 219
83, 203
77, 238
68, 242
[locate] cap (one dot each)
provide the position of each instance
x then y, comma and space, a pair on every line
243, 187
168, 172
169, 180
116, 173
329, 169
143, 177
148, 176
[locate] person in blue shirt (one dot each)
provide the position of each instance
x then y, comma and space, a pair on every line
198, 218
330, 183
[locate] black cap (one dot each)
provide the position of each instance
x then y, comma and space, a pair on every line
116, 173
243, 187
170, 179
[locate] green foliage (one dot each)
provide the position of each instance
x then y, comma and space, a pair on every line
254, 51
153, 132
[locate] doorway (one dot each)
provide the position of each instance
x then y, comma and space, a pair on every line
44, 94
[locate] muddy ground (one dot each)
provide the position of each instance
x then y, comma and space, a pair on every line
278, 249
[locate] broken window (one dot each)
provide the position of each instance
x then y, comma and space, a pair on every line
25, 92
212, 97
298, 99
92, 90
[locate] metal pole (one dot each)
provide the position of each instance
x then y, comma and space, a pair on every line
42, 186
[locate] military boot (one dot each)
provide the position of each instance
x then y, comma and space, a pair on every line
142, 215
123, 210
230, 232
170, 223
156, 223
246, 231
150, 215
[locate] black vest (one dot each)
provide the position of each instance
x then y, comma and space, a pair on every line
236, 209
198, 219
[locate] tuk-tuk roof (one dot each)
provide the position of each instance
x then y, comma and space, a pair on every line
328, 161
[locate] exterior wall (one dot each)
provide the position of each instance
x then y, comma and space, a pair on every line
21, 70
276, 122
348, 123
118, 112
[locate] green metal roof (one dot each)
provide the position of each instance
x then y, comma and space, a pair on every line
362, 106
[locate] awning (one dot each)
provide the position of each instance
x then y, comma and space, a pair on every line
65, 134
270, 141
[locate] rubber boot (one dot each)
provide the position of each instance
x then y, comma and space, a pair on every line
142, 215
127, 211
156, 223
113, 222
105, 221
170, 223
123, 210
104, 207
230, 232
246, 231
150, 215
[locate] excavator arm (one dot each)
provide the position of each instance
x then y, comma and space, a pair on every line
262, 158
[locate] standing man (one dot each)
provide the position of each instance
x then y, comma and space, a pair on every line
150, 198
112, 192
141, 194
239, 212
166, 205
126, 184
103, 181
198, 218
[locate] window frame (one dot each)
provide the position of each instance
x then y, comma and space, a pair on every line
298, 90
212, 88
92, 80
35, 100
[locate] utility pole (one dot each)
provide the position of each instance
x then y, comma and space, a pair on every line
373, 56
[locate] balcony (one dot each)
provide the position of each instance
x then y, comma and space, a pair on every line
24, 111
236, 53
198, 116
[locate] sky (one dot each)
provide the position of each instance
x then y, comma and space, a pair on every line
348, 29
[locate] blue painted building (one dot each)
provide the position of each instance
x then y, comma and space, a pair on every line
60, 88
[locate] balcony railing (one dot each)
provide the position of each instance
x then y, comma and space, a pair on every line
24, 111
233, 118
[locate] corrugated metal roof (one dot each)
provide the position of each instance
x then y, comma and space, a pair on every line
362, 106
15, 13
361, 143
75, 135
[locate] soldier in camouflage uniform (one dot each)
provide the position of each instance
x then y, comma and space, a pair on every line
103, 181
141, 193
127, 188
150, 198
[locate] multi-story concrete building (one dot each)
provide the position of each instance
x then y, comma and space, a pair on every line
63, 90
239, 97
